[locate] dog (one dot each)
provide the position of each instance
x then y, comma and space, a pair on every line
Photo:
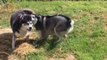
22, 24
58, 25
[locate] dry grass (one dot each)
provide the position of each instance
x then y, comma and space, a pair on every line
68, 57
8, 8
21, 52
23, 48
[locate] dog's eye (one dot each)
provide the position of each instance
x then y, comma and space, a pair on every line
26, 24
33, 17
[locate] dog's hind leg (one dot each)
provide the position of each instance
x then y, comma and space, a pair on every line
13, 41
60, 31
59, 35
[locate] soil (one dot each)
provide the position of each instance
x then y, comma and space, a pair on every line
22, 47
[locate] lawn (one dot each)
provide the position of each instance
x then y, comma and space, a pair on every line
88, 40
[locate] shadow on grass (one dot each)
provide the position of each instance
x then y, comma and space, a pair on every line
52, 44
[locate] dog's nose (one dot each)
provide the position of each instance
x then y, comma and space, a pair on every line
30, 28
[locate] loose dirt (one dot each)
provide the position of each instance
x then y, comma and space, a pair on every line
22, 47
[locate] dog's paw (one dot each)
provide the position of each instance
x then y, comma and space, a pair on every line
36, 44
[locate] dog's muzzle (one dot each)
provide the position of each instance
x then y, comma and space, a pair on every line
30, 28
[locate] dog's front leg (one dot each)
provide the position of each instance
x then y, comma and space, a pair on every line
42, 39
13, 41
26, 37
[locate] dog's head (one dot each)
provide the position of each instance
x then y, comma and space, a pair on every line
39, 22
28, 21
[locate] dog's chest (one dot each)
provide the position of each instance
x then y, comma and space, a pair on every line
22, 32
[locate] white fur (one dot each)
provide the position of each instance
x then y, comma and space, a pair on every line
34, 19
30, 24
24, 29
44, 22
72, 26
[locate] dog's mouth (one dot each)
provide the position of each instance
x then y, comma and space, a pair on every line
29, 29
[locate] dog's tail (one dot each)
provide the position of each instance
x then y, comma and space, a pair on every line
70, 25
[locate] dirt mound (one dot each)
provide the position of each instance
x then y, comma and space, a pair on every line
21, 51
69, 57
22, 47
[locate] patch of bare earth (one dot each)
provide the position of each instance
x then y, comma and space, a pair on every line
22, 47
68, 57
105, 17
105, 27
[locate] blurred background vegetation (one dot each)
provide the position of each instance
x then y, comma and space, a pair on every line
10, 1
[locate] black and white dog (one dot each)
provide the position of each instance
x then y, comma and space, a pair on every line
58, 25
22, 24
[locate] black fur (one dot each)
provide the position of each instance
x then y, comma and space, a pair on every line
18, 18
39, 25
53, 25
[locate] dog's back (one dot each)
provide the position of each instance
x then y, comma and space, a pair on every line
14, 20
55, 23
58, 22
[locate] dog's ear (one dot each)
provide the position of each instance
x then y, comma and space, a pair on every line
39, 17
34, 18
21, 16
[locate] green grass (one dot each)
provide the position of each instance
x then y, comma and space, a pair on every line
88, 41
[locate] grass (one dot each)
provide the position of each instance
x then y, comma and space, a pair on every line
88, 39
